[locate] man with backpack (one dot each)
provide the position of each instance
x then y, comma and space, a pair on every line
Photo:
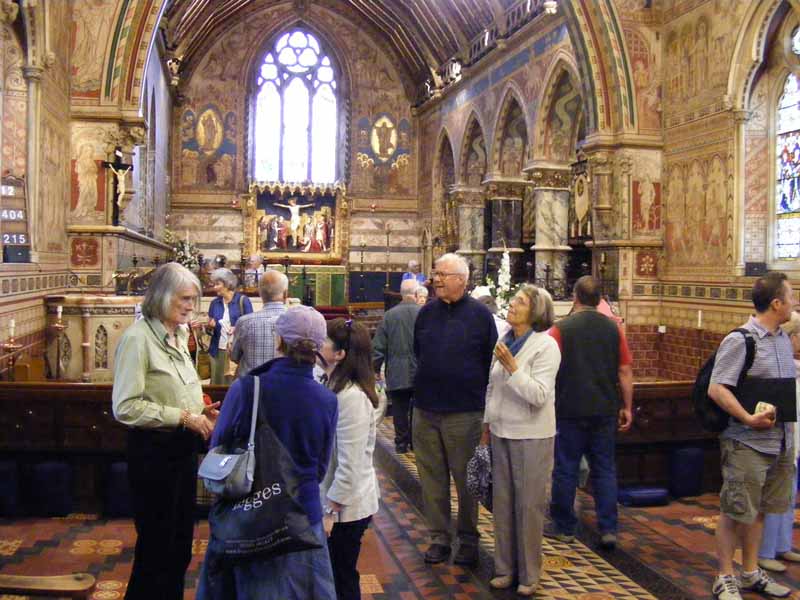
757, 454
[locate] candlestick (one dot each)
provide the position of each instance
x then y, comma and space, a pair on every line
699, 319
11, 327
603, 258
589, 227
59, 309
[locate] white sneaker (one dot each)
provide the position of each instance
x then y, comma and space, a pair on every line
726, 588
764, 584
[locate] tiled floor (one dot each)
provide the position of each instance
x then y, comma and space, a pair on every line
665, 552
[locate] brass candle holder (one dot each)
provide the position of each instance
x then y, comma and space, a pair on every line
58, 327
10, 348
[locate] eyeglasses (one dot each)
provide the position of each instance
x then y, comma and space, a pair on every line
443, 274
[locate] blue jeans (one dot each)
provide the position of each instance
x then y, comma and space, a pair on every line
777, 536
595, 437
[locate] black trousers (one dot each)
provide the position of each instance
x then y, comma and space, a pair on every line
344, 546
401, 415
162, 470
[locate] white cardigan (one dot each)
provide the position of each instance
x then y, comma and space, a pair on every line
523, 405
350, 479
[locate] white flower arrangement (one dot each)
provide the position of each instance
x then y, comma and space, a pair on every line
183, 251
502, 290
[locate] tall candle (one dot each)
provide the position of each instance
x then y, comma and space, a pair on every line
187, 236
59, 309
11, 327
699, 319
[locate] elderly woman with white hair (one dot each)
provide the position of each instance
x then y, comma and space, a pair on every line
520, 420
157, 394
223, 312
776, 540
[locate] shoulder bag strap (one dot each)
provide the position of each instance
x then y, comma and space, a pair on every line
256, 390
241, 304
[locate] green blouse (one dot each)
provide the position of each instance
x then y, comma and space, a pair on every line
153, 381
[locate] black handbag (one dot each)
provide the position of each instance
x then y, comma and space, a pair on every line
269, 521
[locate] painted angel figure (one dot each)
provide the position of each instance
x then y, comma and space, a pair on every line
294, 219
120, 181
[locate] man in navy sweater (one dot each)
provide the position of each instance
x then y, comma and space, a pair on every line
454, 337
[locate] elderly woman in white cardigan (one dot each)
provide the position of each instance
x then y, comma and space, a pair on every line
521, 424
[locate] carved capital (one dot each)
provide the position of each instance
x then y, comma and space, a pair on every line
32, 72
742, 116
126, 138
8, 11
174, 67
551, 178
499, 189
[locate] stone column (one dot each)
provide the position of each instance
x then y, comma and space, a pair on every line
33, 75
471, 218
740, 118
551, 198
505, 206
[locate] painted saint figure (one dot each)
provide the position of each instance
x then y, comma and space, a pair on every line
86, 170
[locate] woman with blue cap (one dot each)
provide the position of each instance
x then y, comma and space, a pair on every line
303, 415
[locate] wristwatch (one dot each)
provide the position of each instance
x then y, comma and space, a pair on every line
329, 512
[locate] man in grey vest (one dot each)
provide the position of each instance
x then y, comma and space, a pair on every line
393, 345
595, 368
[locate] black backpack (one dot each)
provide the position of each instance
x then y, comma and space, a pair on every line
708, 412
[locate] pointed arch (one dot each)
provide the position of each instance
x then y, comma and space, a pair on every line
474, 132
512, 97
561, 65
444, 177
750, 50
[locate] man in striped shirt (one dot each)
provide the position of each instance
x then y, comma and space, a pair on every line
254, 340
757, 454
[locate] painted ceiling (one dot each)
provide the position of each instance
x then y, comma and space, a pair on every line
423, 34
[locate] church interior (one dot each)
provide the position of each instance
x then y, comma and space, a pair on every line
645, 142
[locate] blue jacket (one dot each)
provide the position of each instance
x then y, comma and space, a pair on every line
301, 412
453, 344
215, 311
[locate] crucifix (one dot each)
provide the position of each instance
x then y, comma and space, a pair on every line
120, 170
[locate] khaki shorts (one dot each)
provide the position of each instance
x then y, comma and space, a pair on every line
754, 482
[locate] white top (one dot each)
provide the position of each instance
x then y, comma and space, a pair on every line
523, 405
224, 327
351, 479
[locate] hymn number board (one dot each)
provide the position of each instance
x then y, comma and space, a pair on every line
14, 222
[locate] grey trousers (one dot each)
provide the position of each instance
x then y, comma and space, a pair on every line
443, 445
219, 364
521, 478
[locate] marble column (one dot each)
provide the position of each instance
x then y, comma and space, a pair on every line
33, 76
471, 219
551, 197
505, 206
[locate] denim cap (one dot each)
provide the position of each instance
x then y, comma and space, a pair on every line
302, 323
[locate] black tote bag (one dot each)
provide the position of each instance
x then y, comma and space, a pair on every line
269, 521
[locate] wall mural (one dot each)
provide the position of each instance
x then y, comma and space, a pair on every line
475, 166
208, 148
91, 27
697, 216
644, 49
560, 129
514, 144
382, 155
14, 96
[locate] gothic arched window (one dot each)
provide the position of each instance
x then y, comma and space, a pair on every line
787, 153
296, 115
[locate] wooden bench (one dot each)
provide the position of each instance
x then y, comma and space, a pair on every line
77, 585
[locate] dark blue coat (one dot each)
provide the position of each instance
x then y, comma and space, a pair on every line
215, 311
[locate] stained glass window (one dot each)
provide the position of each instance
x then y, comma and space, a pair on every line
796, 41
296, 112
787, 190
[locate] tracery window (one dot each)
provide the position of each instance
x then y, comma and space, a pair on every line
296, 116
787, 152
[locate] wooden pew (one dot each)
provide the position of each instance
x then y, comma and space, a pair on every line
663, 421
77, 585
70, 422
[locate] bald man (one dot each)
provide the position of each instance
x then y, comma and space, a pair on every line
254, 342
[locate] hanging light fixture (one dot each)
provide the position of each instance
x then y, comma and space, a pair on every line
550, 7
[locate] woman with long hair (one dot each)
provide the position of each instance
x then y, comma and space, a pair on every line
350, 488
